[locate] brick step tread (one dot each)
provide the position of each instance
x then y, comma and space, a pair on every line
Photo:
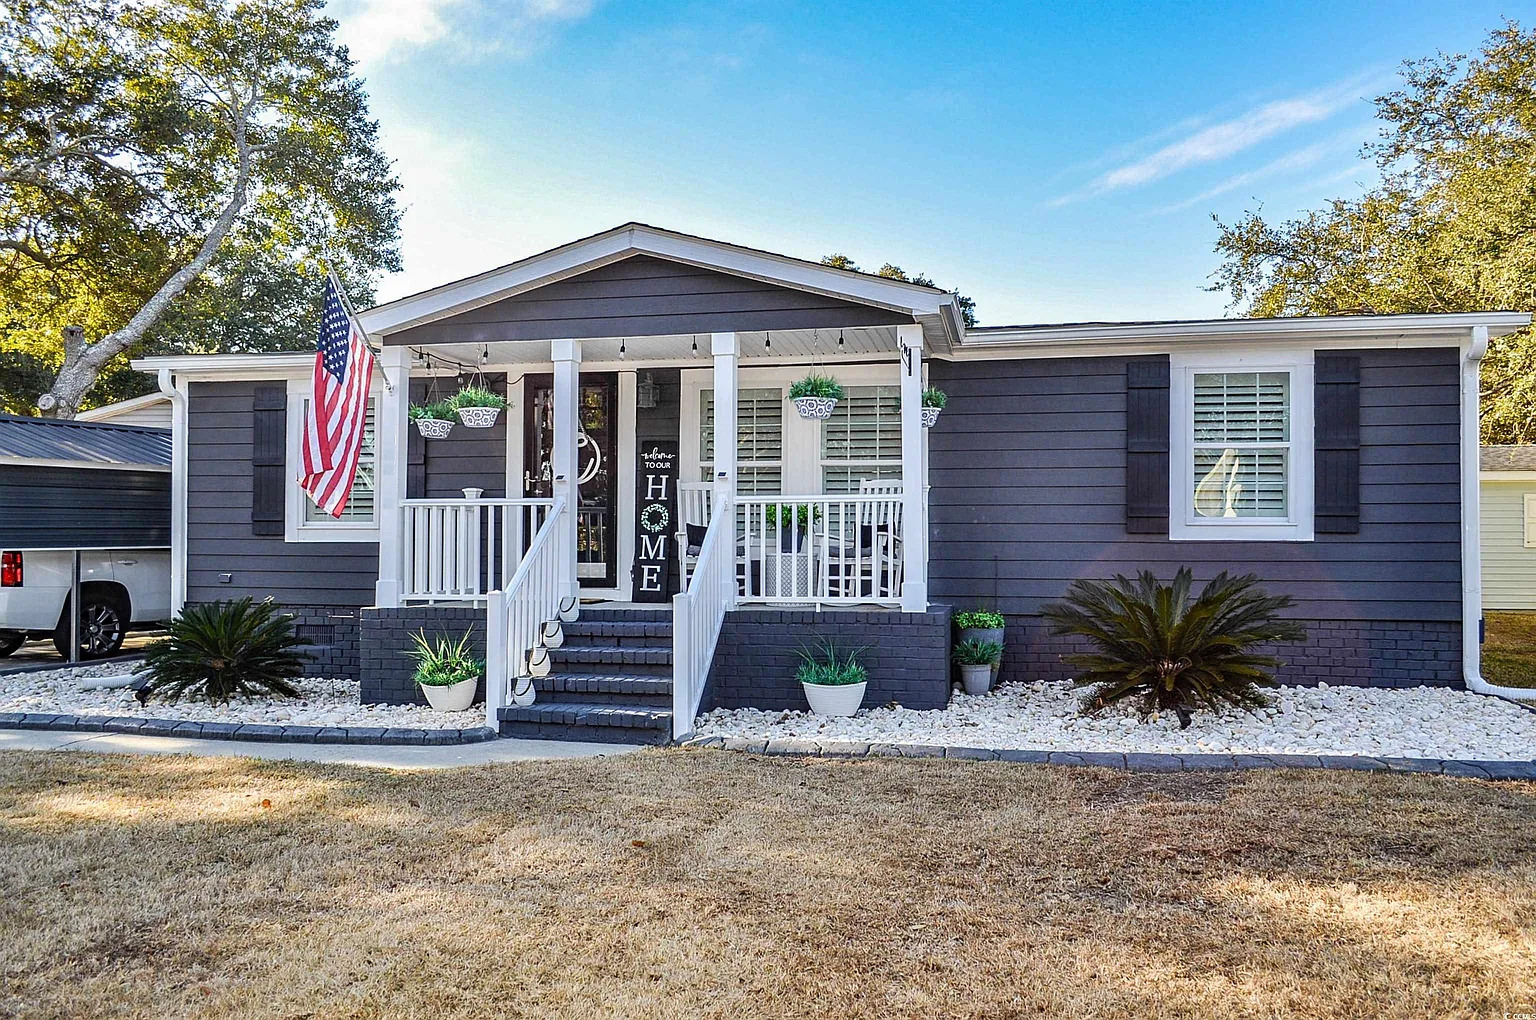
595, 615
604, 683
613, 631
613, 654
586, 734
574, 713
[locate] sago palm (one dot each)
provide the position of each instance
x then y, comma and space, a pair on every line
1155, 644
221, 649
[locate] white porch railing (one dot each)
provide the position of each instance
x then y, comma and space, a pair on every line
824, 550
515, 615
697, 615
464, 549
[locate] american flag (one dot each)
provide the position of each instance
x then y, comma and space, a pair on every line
338, 406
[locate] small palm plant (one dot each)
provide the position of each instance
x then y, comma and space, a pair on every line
1153, 643
220, 649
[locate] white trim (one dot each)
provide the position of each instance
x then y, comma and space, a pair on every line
97, 465
914, 585
1183, 525
1311, 328
1508, 476
108, 412
625, 424
1528, 511
295, 527
176, 390
391, 466
259, 367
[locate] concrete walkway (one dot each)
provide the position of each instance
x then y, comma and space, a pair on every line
388, 756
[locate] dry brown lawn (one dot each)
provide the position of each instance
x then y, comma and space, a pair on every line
1509, 649
685, 884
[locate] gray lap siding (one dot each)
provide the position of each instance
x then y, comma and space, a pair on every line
1027, 468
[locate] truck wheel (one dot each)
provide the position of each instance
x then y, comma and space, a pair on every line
102, 626
10, 640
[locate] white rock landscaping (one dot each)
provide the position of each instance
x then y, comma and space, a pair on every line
1421, 722
322, 702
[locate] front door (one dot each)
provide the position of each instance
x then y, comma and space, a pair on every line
597, 547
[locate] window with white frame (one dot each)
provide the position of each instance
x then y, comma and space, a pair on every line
305, 520
862, 439
1530, 520
759, 438
1242, 450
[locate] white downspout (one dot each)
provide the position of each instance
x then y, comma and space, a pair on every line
177, 392
1471, 529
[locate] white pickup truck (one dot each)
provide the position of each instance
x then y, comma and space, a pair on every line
119, 588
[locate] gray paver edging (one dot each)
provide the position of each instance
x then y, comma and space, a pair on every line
244, 731
1116, 760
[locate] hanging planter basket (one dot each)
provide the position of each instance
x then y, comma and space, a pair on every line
931, 416
478, 417
478, 407
434, 428
815, 408
933, 402
815, 397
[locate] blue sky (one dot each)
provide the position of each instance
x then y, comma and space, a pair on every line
1057, 162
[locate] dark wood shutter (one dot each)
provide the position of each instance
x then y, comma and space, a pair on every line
1146, 445
269, 456
416, 464
1336, 426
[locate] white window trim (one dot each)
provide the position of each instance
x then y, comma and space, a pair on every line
1527, 516
1183, 524
295, 527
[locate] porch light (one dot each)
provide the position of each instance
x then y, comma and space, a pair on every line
647, 393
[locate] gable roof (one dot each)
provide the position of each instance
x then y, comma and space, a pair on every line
1508, 458
934, 308
46, 441
139, 410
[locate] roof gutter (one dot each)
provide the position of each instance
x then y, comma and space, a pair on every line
1471, 529
177, 391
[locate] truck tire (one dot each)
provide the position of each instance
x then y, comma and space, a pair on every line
10, 640
103, 625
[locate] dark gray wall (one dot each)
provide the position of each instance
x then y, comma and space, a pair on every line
1028, 476
468, 457
59, 507
661, 421
646, 296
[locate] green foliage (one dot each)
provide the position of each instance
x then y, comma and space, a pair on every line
220, 649
1451, 228
935, 397
980, 619
967, 305
477, 396
1153, 643
829, 669
977, 653
815, 385
440, 410
799, 513
443, 664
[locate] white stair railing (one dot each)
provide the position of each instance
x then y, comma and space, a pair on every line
517, 616
697, 615
455, 550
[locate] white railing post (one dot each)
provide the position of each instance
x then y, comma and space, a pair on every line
392, 440
567, 399
682, 665
914, 587
496, 671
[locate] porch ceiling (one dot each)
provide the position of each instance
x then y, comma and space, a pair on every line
786, 345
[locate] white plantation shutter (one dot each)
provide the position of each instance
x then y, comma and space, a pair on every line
862, 439
360, 502
1242, 437
759, 438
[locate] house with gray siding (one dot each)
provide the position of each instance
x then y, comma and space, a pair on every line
652, 527
1508, 517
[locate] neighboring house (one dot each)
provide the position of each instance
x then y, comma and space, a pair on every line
1335, 457
1509, 527
152, 410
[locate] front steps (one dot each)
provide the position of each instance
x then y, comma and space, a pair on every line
610, 682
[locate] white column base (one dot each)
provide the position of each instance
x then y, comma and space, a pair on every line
914, 597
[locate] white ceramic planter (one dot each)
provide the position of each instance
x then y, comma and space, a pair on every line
843, 699
931, 416
992, 634
434, 428
479, 417
977, 679
815, 408
452, 698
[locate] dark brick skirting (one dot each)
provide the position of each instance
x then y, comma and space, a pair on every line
1351, 653
385, 671
244, 731
907, 655
333, 634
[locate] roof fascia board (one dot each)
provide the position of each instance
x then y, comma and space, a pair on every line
229, 366
98, 465
108, 411
1164, 345
1508, 476
1498, 323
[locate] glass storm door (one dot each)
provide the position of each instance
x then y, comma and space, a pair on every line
597, 516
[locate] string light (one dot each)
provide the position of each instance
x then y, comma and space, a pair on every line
839, 339
695, 345
621, 350
767, 341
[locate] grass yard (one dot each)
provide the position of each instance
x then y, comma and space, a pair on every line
1509, 649
704, 884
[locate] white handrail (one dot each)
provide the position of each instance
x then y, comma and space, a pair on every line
456, 550
516, 614
698, 612
820, 549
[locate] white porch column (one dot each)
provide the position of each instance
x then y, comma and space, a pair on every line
914, 545
726, 349
563, 467
392, 443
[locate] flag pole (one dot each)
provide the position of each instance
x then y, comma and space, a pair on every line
346, 303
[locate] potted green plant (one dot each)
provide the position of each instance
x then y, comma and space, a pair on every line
816, 396
446, 672
976, 660
433, 420
478, 407
934, 400
792, 521
981, 625
833, 684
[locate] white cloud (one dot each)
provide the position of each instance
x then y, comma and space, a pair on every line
386, 31
1301, 159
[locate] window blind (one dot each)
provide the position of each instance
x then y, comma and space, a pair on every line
759, 438
862, 439
1242, 433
